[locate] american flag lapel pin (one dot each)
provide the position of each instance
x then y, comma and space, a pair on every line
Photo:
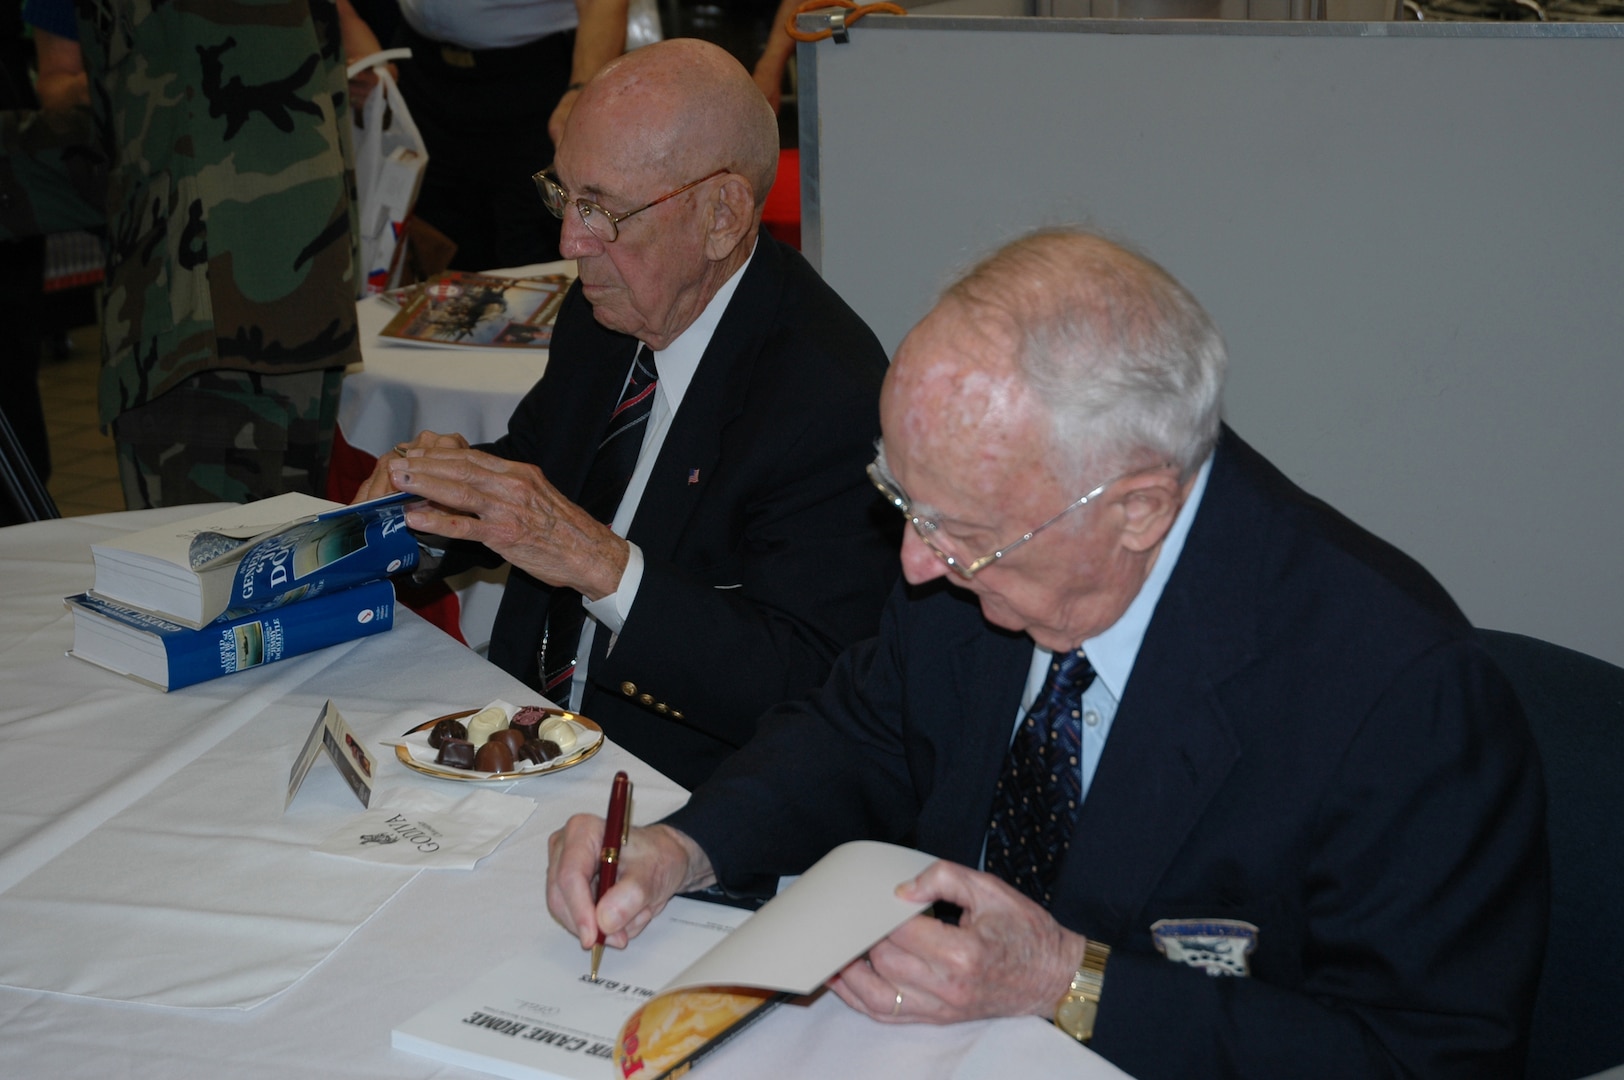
693, 477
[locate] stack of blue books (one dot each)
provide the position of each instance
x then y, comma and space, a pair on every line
240, 587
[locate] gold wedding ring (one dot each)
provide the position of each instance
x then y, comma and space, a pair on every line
896, 1006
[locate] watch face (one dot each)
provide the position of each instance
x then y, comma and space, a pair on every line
1075, 1016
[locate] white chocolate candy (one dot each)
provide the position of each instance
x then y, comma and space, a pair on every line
560, 731
483, 723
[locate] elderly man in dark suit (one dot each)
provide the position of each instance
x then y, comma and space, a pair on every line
691, 463
1267, 809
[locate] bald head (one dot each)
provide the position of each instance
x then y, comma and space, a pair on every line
683, 108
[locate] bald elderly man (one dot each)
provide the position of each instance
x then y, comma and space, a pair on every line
681, 497
1246, 798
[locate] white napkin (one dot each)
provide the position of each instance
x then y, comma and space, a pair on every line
425, 830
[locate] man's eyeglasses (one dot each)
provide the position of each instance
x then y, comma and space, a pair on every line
603, 224
927, 529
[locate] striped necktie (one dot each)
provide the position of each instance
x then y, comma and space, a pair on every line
606, 479
1035, 806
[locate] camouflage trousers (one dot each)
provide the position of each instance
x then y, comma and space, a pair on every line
229, 436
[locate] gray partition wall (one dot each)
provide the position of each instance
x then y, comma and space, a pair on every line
1411, 235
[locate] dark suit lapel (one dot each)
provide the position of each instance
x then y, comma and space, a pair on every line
1172, 744
717, 393
988, 676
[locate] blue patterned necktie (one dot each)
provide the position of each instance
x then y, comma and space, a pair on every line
1035, 806
606, 478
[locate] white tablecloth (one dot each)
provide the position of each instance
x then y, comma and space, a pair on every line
128, 817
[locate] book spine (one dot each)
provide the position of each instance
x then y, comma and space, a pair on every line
335, 551
268, 636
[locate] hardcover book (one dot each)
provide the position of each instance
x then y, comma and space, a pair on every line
228, 563
685, 985
167, 655
462, 309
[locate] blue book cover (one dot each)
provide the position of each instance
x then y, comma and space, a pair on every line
241, 559
167, 655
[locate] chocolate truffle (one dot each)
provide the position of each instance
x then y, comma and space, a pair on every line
513, 740
447, 729
494, 756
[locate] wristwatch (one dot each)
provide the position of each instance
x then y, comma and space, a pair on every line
1075, 1012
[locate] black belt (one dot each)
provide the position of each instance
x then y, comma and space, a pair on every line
520, 60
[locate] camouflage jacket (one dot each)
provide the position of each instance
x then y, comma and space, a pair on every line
230, 203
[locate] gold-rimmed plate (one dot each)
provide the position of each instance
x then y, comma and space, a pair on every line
414, 752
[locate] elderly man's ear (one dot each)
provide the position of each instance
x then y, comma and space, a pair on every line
1148, 504
733, 215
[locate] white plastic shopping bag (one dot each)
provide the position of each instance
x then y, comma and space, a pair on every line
390, 157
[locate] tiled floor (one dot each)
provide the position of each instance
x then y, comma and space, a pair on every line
84, 466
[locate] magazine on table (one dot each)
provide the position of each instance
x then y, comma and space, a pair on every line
461, 309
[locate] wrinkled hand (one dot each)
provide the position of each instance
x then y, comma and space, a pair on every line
656, 863
379, 484
511, 508
1007, 956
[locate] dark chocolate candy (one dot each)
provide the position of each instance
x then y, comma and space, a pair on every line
446, 729
458, 753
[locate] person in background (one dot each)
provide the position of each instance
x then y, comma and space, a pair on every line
490, 85
1221, 783
681, 497
229, 305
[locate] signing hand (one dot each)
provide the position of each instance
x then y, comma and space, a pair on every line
656, 863
1007, 956
511, 508
379, 484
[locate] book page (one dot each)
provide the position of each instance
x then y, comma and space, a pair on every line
807, 933
539, 1017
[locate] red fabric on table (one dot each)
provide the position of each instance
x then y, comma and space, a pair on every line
347, 470
781, 215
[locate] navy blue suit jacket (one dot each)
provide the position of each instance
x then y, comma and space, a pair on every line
1310, 741
766, 550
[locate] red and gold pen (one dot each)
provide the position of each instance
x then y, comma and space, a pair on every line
615, 829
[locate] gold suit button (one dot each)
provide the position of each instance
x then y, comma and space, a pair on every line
662, 708
629, 689
646, 699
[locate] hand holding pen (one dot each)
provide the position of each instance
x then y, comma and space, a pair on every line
617, 825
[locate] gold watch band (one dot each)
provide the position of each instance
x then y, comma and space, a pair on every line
1075, 1012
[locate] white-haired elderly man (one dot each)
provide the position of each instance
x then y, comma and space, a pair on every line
1267, 810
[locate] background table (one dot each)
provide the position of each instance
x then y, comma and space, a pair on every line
83, 752
399, 390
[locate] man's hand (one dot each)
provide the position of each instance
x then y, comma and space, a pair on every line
379, 484
1006, 957
511, 508
656, 863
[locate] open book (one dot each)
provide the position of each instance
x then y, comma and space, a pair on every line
260, 555
683, 985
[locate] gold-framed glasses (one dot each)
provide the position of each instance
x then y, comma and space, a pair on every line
928, 529
601, 222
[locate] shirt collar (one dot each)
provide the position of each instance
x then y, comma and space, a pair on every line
679, 360
1114, 651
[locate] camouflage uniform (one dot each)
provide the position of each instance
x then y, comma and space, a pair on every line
229, 309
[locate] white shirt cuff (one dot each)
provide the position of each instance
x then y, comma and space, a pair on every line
611, 610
